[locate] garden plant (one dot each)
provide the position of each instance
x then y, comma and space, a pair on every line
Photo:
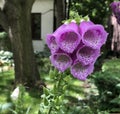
67, 65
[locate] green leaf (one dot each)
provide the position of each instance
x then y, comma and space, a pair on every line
28, 110
3, 35
57, 103
6, 106
13, 111
116, 100
61, 98
46, 102
64, 87
43, 96
118, 85
51, 74
67, 78
46, 91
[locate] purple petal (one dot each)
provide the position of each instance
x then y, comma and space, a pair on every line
84, 25
80, 71
51, 42
51, 39
93, 35
68, 38
74, 54
61, 61
115, 6
87, 55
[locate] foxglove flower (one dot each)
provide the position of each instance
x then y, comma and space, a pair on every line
93, 35
61, 60
80, 71
51, 42
15, 94
68, 38
51, 39
115, 6
87, 55
76, 47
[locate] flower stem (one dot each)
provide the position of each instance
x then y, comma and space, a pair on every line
59, 81
50, 109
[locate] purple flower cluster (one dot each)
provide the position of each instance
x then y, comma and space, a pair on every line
115, 6
76, 47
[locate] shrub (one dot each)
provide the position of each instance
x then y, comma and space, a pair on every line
4, 41
108, 84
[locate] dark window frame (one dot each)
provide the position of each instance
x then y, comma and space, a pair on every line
36, 26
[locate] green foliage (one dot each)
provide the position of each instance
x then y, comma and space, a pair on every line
4, 41
64, 94
112, 64
6, 58
30, 99
108, 84
98, 10
3, 35
18, 103
76, 17
5, 106
19, 106
53, 99
43, 54
42, 60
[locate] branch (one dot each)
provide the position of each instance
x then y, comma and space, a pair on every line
3, 20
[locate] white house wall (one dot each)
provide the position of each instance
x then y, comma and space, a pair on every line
1, 3
45, 7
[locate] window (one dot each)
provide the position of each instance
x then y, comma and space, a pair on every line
36, 26
1, 29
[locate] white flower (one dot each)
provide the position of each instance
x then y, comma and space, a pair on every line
15, 94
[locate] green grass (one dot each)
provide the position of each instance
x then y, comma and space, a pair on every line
6, 79
111, 64
31, 98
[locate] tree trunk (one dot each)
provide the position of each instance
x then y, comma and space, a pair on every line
18, 13
59, 12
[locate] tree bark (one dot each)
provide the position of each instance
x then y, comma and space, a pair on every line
59, 12
18, 13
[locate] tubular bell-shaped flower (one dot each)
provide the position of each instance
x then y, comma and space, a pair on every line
80, 71
76, 47
51, 42
115, 6
51, 39
61, 60
93, 35
15, 93
87, 55
68, 38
